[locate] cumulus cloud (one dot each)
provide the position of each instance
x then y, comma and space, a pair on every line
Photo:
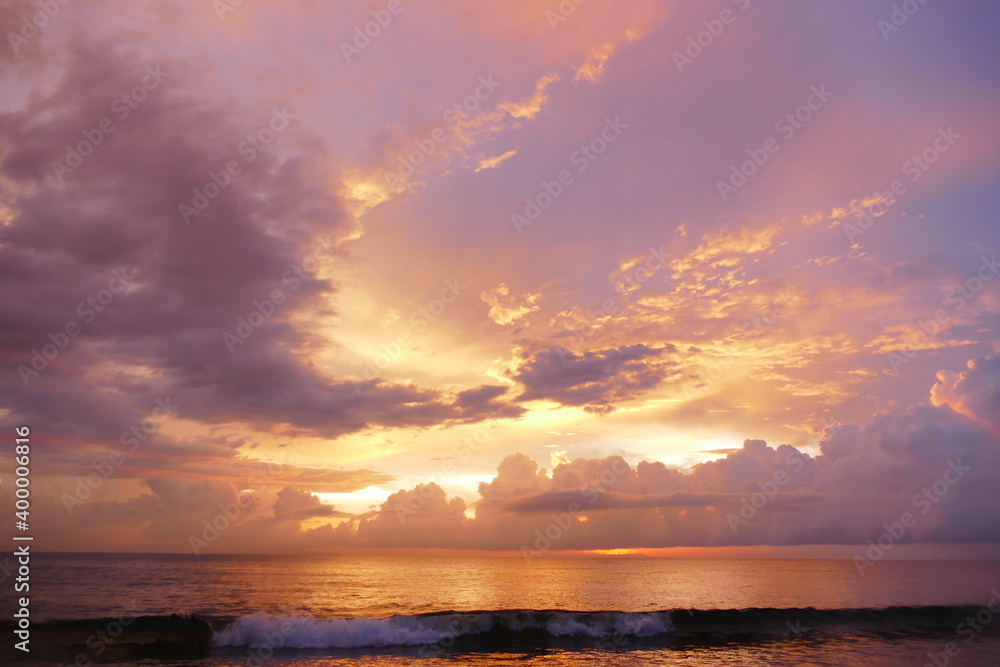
420, 517
297, 505
517, 475
974, 392
930, 461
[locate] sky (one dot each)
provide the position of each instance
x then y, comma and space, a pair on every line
518, 278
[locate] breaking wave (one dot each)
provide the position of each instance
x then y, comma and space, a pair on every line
619, 628
184, 637
260, 629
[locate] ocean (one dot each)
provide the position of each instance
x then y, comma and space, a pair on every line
215, 610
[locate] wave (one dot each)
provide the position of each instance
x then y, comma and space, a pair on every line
260, 630
613, 628
193, 637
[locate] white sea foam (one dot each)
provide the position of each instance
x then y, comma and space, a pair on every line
265, 630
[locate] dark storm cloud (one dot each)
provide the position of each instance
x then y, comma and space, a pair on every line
593, 380
101, 268
295, 504
558, 501
479, 395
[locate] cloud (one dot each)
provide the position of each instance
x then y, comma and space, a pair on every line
727, 248
479, 395
595, 381
297, 505
270, 231
528, 108
199, 457
314, 215
506, 308
930, 461
558, 501
593, 69
495, 161
421, 517
974, 392
517, 475
483, 403
404, 158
